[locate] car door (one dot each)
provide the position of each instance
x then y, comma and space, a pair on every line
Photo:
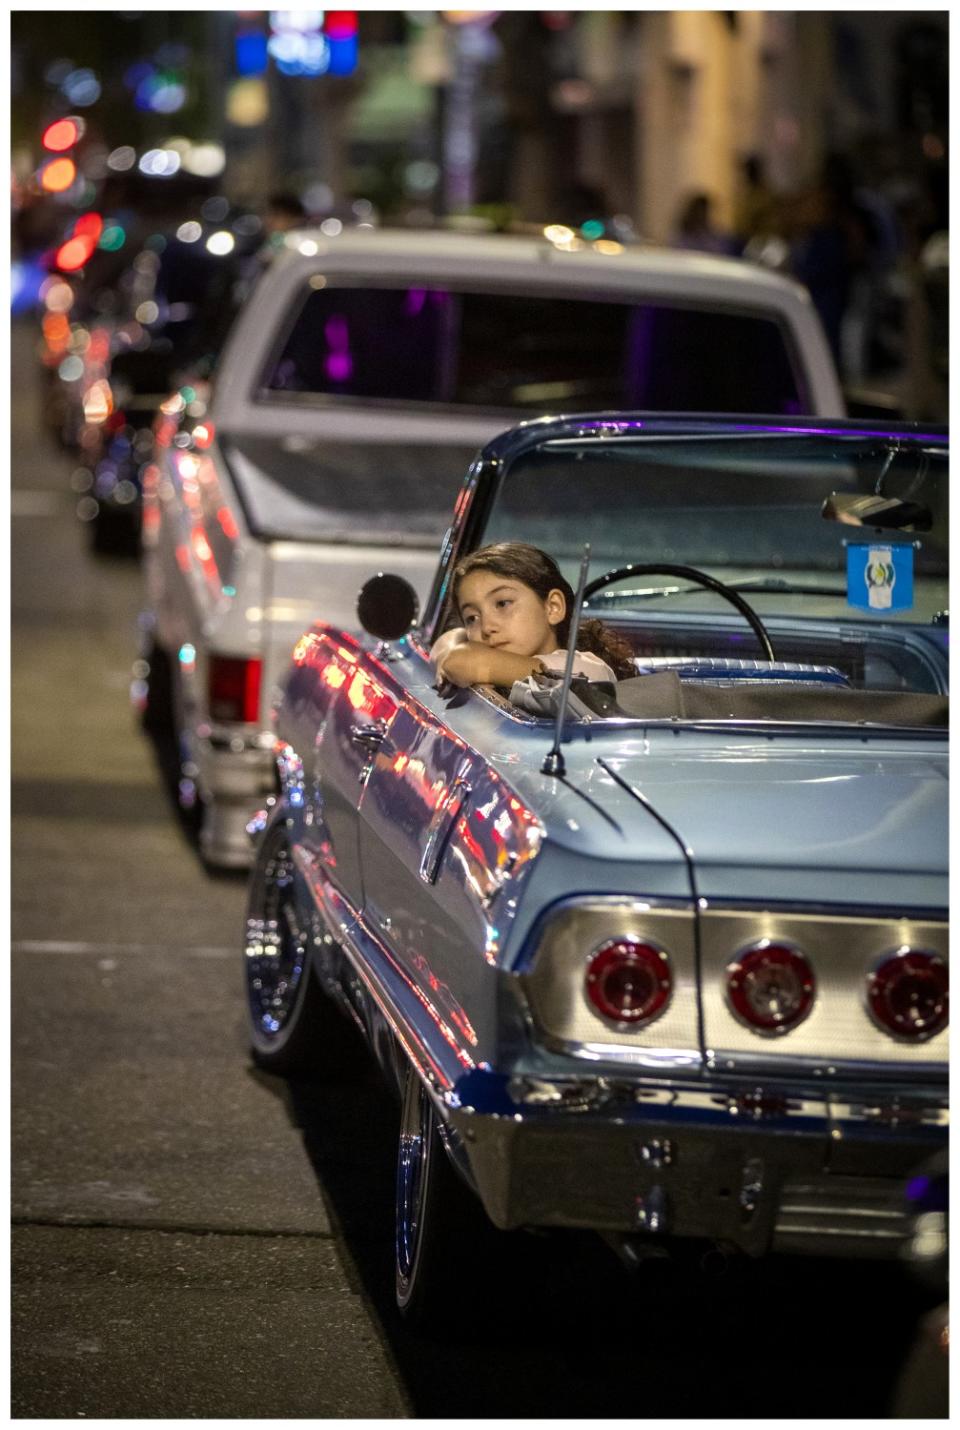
439, 834
337, 714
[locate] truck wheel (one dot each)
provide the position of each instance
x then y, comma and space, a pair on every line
157, 709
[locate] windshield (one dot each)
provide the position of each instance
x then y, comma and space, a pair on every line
746, 509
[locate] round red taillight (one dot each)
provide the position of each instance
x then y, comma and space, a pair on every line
908, 994
771, 986
628, 981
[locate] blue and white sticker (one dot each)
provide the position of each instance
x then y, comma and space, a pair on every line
880, 578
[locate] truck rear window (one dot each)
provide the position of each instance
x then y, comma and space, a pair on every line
535, 354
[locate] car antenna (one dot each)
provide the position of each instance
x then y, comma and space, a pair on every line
553, 763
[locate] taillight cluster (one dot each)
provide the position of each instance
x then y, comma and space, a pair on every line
770, 987
234, 688
908, 994
629, 981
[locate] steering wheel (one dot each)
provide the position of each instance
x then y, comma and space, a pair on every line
699, 578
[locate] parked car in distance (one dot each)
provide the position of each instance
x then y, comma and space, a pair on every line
165, 314
692, 986
361, 376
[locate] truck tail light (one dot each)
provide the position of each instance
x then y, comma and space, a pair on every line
770, 986
234, 688
628, 980
908, 994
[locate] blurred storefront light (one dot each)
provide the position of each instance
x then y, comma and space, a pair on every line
298, 54
159, 163
98, 402
304, 21
189, 232
250, 53
221, 243
206, 161
247, 103
343, 55
340, 29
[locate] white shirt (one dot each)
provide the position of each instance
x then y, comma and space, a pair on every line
585, 663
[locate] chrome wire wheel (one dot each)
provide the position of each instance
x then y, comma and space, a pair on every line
414, 1158
280, 995
443, 1235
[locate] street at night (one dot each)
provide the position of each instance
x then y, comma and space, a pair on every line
193, 1238
479, 706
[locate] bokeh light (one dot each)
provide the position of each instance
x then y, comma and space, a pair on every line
81, 87
122, 158
57, 175
159, 163
75, 253
221, 243
62, 134
113, 237
205, 160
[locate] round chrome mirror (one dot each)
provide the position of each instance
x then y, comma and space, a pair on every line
387, 606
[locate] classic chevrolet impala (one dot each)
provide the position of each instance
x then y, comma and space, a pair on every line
666, 958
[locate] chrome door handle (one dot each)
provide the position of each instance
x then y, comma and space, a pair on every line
369, 737
441, 827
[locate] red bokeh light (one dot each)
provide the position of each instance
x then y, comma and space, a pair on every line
62, 134
74, 253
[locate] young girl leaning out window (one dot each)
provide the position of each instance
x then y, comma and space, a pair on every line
515, 609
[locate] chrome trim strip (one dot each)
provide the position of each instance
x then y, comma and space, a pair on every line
802, 909
803, 1229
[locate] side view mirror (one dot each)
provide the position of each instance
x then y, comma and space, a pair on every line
387, 606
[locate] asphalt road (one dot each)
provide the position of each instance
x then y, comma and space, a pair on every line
193, 1238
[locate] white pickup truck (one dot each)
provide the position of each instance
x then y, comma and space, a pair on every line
359, 379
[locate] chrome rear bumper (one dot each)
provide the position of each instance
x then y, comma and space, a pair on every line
233, 783
805, 1178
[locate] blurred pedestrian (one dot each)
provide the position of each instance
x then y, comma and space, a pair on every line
755, 209
695, 229
830, 235
283, 212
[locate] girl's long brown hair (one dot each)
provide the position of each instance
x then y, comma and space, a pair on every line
520, 562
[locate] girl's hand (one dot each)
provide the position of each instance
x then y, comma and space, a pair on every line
442, 647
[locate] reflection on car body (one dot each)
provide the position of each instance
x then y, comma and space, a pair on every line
697, 986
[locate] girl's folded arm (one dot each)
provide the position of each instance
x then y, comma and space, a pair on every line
476, 664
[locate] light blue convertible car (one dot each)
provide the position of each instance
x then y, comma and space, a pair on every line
666, 957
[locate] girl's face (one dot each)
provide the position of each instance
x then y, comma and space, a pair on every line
506, 614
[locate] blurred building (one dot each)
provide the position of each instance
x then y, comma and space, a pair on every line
536, 111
